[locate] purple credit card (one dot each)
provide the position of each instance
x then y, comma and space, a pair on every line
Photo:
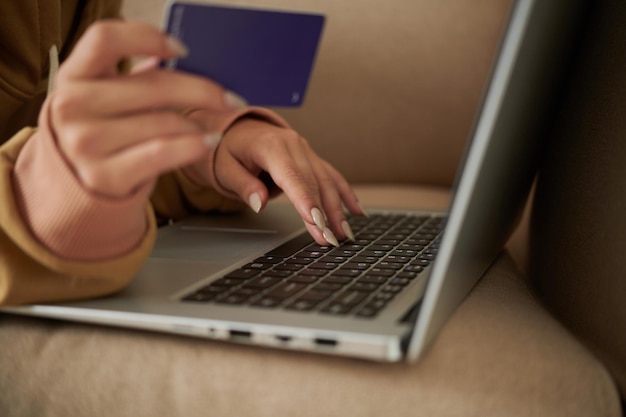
266, 56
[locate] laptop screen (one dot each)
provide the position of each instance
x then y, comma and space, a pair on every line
502, 155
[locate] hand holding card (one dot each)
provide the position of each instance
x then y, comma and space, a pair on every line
266, 56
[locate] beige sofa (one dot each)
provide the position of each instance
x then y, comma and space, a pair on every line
391, 103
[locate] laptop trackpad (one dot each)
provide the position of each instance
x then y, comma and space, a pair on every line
226, 239
214, 244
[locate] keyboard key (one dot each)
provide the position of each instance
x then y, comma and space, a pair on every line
289, 267
351, 297
337, 280
202, 297
328, 286
337, 308
380, 272
374, 253
268, 302
303, 279
392, 288
302, 305
367, 312
408, 275
366, 259
346, 272
313, 272
398, 259
259, 265
227, 282
356, 265
242, 273
214, 289
311, 254
385, 248
373, 279
335, 259
344, 252
399, 281
404, 252
318, 248
286, 290
234, 299
277, 274
268, 259
262, 282
324, 265
413, 268
301, 260
364, 286
315, 295
389, 265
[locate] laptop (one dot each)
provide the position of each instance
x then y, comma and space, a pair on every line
261, 280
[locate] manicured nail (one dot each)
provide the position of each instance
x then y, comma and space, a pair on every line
177, 47
347, 230
318, 218
365, 213
211, 140
330, 237
234, 100
255, 202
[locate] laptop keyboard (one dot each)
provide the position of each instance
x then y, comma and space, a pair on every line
358, 278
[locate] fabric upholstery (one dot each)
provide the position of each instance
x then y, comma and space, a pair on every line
500, 354
578, 226
420, 65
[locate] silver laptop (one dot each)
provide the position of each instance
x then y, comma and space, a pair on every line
260, 279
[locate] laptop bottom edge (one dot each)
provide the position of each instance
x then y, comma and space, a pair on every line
373, 347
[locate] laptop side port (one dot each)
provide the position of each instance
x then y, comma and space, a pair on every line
325, 342
283, 338
240, 335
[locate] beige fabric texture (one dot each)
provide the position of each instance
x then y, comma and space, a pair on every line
579, 227
419, 66
391, 72
500, 354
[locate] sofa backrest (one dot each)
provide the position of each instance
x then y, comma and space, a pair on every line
396, 82
578, 226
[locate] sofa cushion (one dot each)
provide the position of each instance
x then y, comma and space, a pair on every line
500, 354
579, 226
406, 74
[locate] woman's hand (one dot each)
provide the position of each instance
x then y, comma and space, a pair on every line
251, 150
118, 132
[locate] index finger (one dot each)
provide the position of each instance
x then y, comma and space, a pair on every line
107, 42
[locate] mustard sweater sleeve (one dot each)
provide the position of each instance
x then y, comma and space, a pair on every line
29, 272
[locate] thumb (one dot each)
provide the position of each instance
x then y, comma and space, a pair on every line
236, 178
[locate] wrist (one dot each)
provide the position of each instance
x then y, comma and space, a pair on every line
64, 216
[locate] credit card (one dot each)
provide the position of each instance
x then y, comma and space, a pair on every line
264, 55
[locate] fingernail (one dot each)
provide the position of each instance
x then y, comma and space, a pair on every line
330, 237
176, 47
318, 218
347, 230
255, 202
234, 100
211, 140
365, 213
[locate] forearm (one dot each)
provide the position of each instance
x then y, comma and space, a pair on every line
31, 272
67, 218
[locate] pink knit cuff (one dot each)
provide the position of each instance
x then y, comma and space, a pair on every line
66, 218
